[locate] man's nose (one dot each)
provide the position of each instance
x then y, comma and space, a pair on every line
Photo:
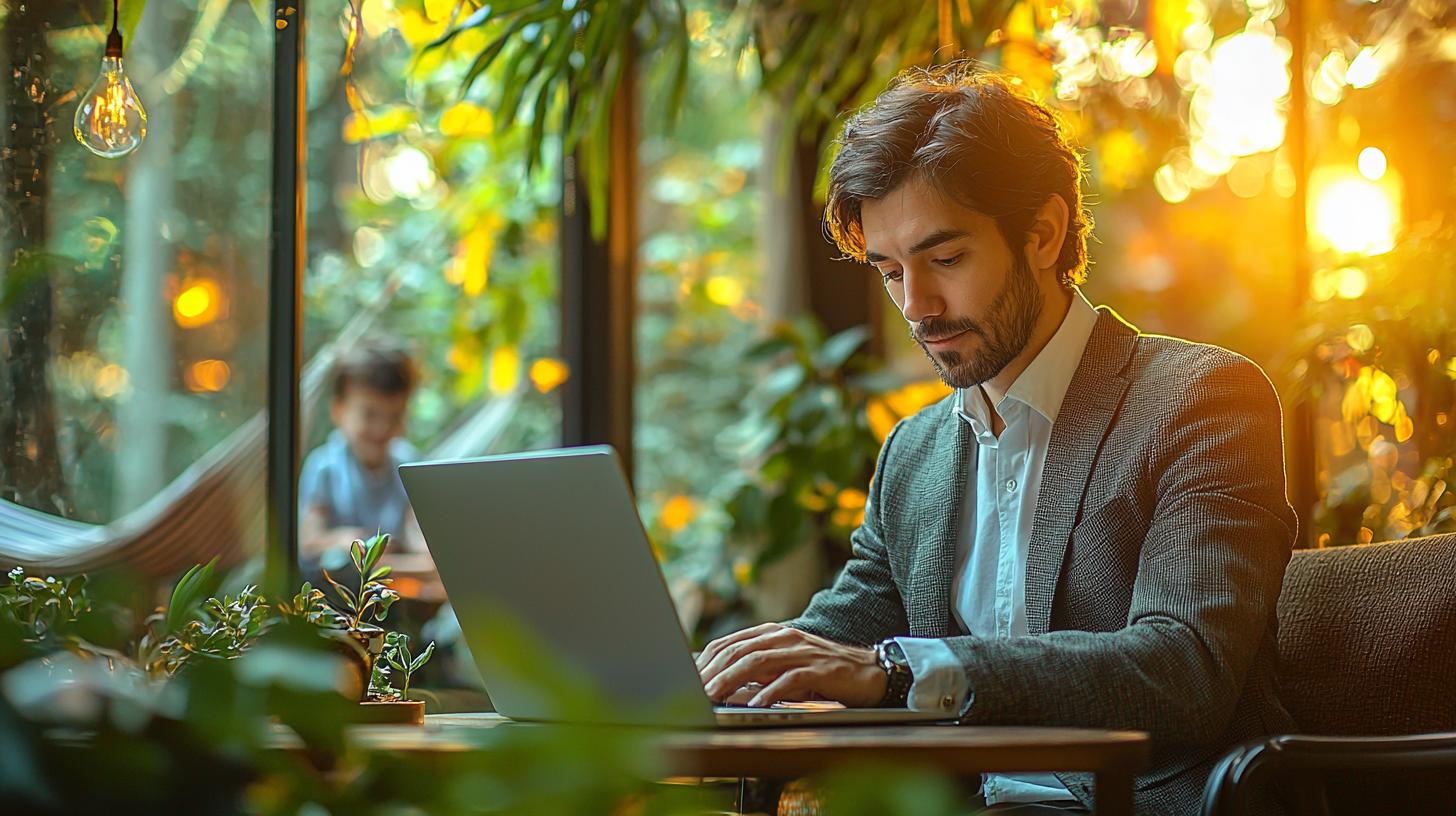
922, 299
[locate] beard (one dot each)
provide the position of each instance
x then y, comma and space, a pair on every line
1004, 332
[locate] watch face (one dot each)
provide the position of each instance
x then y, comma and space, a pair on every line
896, 655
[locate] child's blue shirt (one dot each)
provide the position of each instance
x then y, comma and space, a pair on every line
350, 494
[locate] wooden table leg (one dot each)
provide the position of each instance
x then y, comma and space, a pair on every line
759, 796
1112, 794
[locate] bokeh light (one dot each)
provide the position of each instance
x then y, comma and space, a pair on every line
208, 376
505, 370
1238, 92
547, 373
198, 304
1371, 163
1351, 214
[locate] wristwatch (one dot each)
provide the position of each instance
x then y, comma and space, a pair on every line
891, 658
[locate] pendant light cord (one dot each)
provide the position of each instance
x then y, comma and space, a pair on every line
113, 40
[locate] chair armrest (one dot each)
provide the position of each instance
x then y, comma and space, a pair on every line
1238, 770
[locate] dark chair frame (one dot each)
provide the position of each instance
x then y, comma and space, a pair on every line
1237, 773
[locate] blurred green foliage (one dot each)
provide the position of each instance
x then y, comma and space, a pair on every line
269, 732
1381, 368
805, 442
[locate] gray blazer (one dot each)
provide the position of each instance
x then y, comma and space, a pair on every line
1157, 550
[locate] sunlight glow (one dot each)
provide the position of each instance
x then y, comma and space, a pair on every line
1352, 214
1371, 163
1365, 68
1239, 111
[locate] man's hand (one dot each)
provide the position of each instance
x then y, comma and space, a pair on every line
790, 665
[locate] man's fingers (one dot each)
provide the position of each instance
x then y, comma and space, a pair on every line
791, 685
761, 666
734, 652
714, 647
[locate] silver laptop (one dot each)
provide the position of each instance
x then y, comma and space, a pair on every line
546, 563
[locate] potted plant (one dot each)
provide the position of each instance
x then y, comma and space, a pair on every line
385, 702
356, 613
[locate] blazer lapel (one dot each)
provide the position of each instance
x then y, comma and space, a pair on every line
1082, 423
939, 525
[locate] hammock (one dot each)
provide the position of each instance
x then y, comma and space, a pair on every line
216, 506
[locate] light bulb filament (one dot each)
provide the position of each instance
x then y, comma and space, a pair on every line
110, 120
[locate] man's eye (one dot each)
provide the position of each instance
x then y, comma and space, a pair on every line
892, 276
948, 262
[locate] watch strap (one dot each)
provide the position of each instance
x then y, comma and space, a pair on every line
891, 658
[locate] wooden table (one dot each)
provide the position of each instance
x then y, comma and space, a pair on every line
1113, 757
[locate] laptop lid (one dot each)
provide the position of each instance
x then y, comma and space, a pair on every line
546, 563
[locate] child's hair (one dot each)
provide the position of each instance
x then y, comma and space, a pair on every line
380, 364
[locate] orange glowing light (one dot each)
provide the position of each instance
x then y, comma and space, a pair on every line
547, 373
208, 375
678, 513
198, 304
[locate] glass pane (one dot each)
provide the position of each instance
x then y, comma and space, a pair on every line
424, 226
700, 295
134, 297
425, 234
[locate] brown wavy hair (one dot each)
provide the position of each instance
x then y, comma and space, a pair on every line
380, 364
975, 138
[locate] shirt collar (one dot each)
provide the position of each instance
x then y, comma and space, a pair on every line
1043, 385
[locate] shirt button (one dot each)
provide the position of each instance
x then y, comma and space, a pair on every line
1010, 485
946, 702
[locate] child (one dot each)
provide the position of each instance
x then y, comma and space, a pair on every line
349, 487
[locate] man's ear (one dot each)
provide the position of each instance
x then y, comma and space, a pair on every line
336, 410
1048, 232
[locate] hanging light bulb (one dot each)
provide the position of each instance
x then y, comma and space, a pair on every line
110, 120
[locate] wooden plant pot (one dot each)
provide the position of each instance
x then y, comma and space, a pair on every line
361, 647
392, 712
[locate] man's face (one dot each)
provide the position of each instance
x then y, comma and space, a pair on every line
369, 420
971, 301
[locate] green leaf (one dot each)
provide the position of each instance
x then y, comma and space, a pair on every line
837, 350
380, 573
350, 600
782, 381
356, 554
263, 10
423, 658
377, 545
681, 47
771, 346
130, 14
187, 596
479, 17
386, 600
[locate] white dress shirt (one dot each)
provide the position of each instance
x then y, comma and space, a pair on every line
988, 593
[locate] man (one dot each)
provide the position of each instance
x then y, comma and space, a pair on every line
1092, 530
